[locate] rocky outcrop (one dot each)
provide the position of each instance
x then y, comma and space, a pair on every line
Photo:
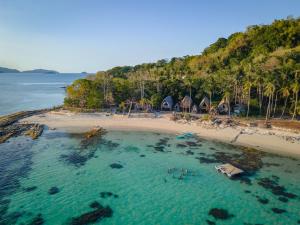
10, 127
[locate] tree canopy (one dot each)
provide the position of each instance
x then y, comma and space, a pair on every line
259, 68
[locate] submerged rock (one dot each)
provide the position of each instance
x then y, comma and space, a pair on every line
38, 220
210, 222
30, 189
275, 188
116, 166
95, 205
75, 158
249, 160
93, 216
283, 199
278, 211
53, 190
262, 200
219, 213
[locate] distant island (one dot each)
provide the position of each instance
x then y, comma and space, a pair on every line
41, 71
8, 70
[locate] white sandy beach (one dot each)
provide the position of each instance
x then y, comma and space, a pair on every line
263, 139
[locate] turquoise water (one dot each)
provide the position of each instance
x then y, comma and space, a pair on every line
141, 189
27, 91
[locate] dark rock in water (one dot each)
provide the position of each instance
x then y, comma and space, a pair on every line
210, 222
189, 152
191, 144
142, 155
283, 199
212, 148
278, 211
221, 214
203, 159
275, 188
163, 141
116, 166
93, 216
53, 190
95, 205
242, 179
159, 148
181, 145
75, 158
38, 220
30, 189
262, 200
247, 191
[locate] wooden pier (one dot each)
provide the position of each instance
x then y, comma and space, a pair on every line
229, 170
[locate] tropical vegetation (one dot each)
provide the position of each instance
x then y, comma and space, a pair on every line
259, 68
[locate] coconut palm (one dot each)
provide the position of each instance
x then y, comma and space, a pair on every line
285, 92
269, 92
295, 90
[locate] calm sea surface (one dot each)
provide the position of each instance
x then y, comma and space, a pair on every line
26, 91
125, 178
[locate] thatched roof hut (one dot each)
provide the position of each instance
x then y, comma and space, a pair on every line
223, 107
204, 105
186, 102
167, 103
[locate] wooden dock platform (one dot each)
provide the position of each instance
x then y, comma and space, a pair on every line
229, 170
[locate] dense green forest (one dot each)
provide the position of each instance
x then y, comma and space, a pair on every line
259, 68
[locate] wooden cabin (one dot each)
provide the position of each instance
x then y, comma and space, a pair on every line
204, 105
229, 170
167, 103
186, 103
223, 107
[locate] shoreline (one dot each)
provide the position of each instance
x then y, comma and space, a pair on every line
267, 140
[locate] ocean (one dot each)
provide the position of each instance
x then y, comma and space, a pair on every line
142, 178
27, 91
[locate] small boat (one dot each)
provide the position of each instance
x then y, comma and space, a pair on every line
228, 170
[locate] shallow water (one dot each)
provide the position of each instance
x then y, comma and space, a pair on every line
133, 166
27, 91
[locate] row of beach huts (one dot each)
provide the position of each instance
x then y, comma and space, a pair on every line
187, 105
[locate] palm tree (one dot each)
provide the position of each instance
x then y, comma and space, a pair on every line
226, 97
269, 91
247, 87
295, 89
285, 92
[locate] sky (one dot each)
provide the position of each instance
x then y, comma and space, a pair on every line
93, 35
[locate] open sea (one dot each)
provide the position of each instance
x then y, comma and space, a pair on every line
27, 91
136, 178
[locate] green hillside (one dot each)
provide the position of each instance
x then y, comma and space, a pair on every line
259, 68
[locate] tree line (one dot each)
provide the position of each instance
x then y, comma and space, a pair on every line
258, 68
